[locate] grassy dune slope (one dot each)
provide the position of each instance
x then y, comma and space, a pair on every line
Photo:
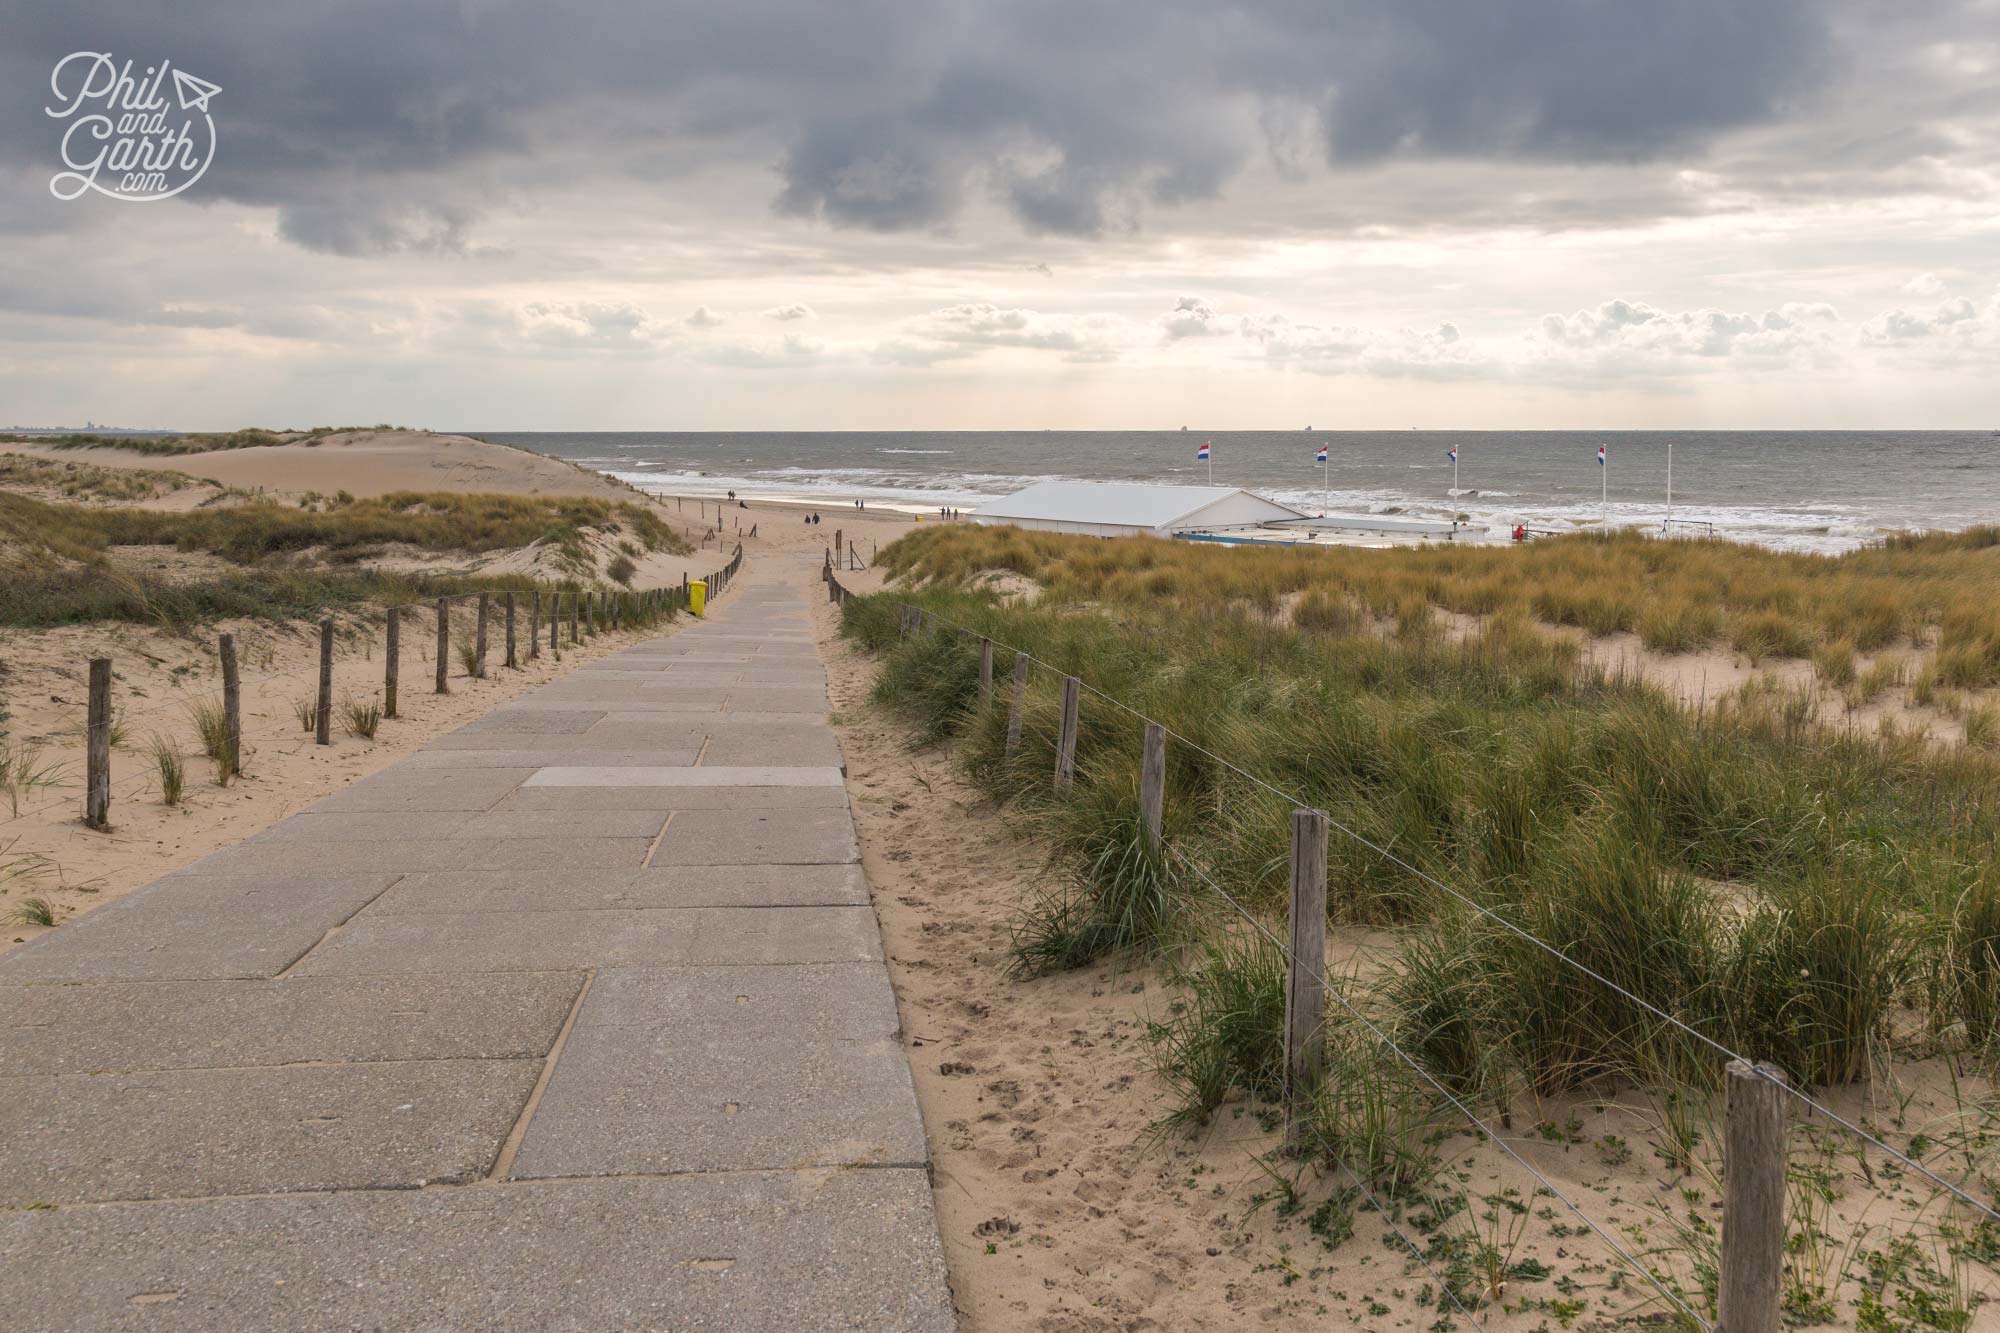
1814, 896
61, 571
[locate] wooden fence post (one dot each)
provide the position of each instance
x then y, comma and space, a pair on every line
391, 661
479, 637
512, 660
232, 711
535, 623
1066, 738
97, 748
323, 729
555, 624
444, 645
575, 609
1305, 970
1020, 701
1753, 1200
985, 672
1153, 785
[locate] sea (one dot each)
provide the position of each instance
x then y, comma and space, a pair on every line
1823, 491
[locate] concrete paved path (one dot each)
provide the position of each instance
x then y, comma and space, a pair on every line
575, 1018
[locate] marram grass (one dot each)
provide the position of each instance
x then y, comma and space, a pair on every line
1781, 888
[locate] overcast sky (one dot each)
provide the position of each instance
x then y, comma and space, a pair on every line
848, 214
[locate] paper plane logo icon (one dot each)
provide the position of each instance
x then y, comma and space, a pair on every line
194, 93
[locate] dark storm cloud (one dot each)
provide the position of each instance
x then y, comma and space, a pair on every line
383, 126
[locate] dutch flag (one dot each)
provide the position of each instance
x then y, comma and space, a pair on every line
1201, 454
1452, 454
1321, 457
1600, 455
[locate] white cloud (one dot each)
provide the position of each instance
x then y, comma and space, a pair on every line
1192, 317
704, 318
1956, 333
1335, 349
1623, 337
981, 324
1924, 284
587, 325
787, 313
789, 352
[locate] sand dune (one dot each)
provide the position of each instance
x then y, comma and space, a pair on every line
367, 463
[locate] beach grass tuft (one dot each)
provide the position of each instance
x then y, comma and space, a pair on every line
361, 718
170, 766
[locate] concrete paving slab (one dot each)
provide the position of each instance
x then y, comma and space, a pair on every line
584, 691
666, 732
320, 894
554, 941
269, 855
755, 744
840, 1001
316, 825
752, 886
185, 1132
713, 678
312, 826
542, 721
432, 761
198, 947
657, 1100
707, 775
120, 1026
456, 893
757, 837
375, 945
567, 824
672, 650
538, 702
402, 788
814, 678
755, 935
773, 1251
777, 699
676, 798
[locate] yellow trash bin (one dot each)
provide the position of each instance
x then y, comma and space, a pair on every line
697, 596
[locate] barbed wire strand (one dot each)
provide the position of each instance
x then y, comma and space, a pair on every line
1804, 1098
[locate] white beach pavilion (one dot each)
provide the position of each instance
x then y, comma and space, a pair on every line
1130, 509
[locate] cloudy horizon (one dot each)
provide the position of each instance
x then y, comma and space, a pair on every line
1026, 215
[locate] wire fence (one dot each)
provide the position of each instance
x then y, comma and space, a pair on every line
590, 611
916, 619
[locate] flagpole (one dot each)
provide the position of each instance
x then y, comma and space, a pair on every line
1604, 491
1670, 484
1454, 473
1325, 487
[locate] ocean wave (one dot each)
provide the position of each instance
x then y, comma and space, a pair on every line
1839, 517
